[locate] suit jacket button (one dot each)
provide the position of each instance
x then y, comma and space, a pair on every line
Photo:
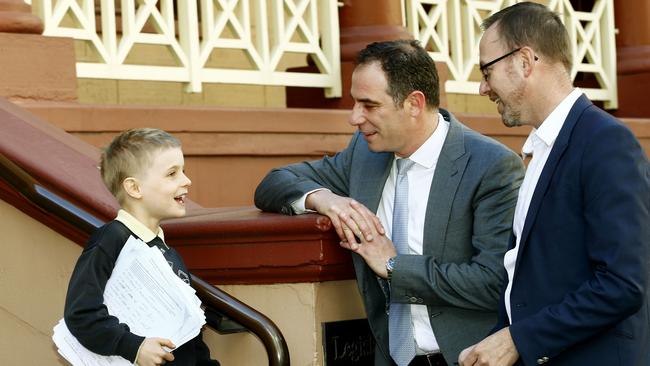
413, 299
420, 301
542, 360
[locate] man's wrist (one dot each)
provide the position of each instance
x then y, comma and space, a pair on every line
311, 198
299, 206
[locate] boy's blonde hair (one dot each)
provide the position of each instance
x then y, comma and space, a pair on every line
129, 153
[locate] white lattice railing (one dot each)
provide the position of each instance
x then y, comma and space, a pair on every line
267, 30
452, 29
194, 32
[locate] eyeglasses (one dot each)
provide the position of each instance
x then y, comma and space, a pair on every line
484, 67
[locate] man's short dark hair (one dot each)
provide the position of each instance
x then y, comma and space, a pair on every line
536, 26
408, 67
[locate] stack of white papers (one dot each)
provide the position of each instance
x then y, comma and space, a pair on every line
144, 293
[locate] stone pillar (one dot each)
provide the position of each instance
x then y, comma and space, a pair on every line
16, 17
33, 67
633, 57
367, 21
361, 22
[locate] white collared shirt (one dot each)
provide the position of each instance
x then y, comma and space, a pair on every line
539, 143
420, 177
138, 228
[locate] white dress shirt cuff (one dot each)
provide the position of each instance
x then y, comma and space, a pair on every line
298, 205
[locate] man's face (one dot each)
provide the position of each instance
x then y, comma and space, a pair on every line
500, 82
382, 123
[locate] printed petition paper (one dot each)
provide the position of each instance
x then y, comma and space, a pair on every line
144, 293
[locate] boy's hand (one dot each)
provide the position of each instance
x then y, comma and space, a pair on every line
152, 352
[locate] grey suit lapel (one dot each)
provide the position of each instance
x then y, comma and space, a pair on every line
372, 178
368, 177
366, 187
446, 178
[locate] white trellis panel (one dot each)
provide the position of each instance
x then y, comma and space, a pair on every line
193, 32
266, 30
451, 29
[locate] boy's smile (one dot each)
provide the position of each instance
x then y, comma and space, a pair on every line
180, 199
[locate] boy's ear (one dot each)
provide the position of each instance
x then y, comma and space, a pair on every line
132, 188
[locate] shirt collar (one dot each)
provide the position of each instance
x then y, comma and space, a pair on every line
137, 227
428, 153
551, 126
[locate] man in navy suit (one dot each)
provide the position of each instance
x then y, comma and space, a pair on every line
578, 267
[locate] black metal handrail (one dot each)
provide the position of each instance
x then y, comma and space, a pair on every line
213, 298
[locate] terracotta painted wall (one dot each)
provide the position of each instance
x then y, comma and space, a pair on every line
228, 151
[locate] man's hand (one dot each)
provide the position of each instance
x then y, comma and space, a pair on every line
152, 353
348, 217
495, 350
376, 251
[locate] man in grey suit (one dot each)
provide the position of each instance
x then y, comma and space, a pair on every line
461, 193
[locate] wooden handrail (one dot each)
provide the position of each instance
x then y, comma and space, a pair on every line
213, 298
257, 323
45, 199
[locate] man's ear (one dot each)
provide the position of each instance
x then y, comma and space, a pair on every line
415, 103
528, 60
132, 187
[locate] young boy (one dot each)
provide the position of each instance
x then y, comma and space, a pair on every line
143, 169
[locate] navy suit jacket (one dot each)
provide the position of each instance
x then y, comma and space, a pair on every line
580, 290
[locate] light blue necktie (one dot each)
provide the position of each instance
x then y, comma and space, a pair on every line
400, 328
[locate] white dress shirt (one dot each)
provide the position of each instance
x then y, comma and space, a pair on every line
539, 144
420, 177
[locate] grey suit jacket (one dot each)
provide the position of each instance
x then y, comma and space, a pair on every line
469, 220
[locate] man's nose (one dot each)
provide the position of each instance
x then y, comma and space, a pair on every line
356, 115
484, 88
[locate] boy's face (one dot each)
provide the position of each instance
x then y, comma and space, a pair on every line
163, 185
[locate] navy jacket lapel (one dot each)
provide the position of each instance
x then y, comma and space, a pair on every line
557, 151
